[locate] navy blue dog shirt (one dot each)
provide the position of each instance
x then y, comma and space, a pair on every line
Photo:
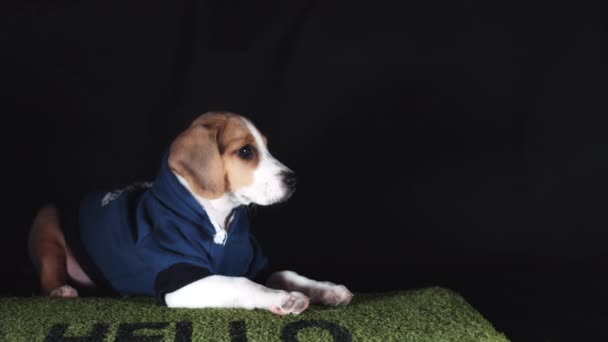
152, 239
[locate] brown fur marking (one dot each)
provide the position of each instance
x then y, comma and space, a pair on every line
206, 154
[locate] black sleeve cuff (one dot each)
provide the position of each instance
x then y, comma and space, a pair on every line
175, 277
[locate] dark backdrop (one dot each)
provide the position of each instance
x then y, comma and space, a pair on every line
454, 143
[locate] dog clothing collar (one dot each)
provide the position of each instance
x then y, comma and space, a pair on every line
172, 194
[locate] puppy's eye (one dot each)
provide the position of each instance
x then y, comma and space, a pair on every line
246, 152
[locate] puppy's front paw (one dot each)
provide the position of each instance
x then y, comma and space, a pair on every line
290, 302
330, 294
65, 291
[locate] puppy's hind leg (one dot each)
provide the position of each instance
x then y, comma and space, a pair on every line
48, 252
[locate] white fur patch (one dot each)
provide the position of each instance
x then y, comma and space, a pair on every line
217, 210
235, 292
267, 186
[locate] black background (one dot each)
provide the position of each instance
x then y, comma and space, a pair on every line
454, 143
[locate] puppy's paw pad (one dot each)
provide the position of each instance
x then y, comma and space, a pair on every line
291, 303
66, 291
301, 302
275, 309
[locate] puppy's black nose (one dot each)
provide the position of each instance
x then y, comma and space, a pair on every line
289, 178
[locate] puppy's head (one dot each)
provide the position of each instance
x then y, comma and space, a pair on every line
224, 154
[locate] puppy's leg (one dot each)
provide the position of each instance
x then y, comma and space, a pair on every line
48, 252
236, 292
319, 292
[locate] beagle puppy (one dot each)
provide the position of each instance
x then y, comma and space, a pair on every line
185, 238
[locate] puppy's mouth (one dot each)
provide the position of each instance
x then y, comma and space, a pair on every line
287, 195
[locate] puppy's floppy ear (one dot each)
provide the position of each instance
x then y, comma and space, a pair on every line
195, 156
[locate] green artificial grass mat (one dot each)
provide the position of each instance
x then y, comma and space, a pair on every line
431, 314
